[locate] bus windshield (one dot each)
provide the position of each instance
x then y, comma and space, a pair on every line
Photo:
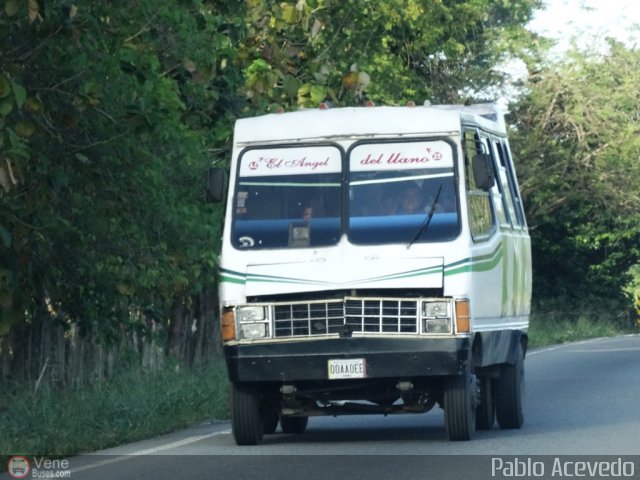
288, 197
292, 197
396, 188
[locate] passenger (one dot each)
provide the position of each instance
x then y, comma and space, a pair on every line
307, 213
412, 201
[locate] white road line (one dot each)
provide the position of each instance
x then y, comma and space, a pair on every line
148, 451
607, 350
574, 344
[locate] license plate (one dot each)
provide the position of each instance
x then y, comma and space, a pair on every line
347, 368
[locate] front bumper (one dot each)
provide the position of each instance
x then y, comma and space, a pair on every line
384, 357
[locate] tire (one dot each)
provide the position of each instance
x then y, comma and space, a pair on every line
509, 393
486, 410
460, 407
294, 424
247, 422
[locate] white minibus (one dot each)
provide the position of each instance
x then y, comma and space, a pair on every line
374, 260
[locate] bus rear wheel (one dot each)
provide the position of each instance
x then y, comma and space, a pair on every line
270, 417
509, 393
486, 410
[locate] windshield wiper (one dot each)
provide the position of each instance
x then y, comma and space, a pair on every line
427, 221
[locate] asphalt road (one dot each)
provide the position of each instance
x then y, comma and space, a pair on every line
581, 399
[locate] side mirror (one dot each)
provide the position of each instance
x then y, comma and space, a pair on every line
483, 171
216, 185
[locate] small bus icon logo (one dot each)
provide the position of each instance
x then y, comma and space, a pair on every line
18, 467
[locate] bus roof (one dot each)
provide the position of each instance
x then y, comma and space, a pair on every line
358, 122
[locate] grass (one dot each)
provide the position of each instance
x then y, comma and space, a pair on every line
130, 407
550, 328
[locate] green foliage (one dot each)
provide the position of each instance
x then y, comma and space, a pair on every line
547, 330
110, 117
567, 319
130, 407
577, 145
632, 290
300, 53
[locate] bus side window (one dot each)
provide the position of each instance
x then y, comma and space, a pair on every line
501, 188
481, 215
507, 179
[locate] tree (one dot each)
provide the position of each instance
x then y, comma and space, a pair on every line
576, 137
110, 117
390, 52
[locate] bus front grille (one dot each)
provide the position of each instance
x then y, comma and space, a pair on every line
354, 315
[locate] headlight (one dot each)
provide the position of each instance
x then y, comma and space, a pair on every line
252, 331
436, 317
253, 322
440, 325
436, 309
250, 314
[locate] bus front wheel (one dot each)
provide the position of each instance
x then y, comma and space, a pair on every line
247, 423
460, 406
